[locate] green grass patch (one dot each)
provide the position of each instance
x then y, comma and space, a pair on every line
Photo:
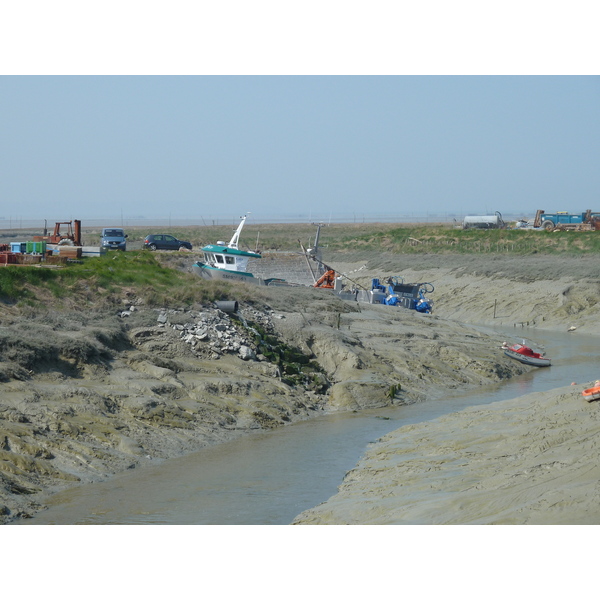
94, 281
447, 240
397, 238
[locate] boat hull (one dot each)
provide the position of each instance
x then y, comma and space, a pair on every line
591, 394
210, 273
528, 360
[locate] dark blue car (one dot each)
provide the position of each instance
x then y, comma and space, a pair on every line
164, 241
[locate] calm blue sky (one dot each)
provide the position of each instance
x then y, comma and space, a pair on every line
296, 146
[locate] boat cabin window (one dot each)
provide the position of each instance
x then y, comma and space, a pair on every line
219, 258
230, 260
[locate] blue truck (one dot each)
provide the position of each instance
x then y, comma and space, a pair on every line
565, 221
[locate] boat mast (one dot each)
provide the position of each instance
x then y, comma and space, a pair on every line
236, 236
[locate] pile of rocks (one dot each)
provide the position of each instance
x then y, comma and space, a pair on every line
212, 332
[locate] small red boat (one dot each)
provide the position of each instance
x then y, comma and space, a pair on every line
592, 393
526, 355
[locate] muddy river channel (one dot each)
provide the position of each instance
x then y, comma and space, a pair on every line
271, 477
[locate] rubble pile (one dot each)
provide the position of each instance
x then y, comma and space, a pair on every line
211, 333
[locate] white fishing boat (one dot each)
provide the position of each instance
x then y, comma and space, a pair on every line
227, 262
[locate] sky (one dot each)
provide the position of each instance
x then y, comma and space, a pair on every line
307, 110
320, 111
293, 146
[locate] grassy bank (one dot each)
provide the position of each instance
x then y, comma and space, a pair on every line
446, 240
163, 279
109, 279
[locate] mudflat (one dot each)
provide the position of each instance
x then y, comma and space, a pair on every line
137, 384
530, 460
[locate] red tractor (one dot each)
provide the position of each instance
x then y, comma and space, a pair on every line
71, 238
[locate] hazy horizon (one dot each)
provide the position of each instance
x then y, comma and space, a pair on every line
313, 147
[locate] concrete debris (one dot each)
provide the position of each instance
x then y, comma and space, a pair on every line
212, 332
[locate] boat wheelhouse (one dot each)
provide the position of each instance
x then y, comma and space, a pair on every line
227, 261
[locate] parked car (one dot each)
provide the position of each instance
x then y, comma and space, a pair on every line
113, 238
163, 241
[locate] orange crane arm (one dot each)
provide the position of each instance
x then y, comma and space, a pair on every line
326, 280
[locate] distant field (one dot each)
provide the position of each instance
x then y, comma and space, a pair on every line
388, 237
385, 237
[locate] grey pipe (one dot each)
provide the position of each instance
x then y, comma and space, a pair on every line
228, 306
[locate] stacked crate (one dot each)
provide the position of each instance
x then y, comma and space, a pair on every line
35, 247
34, 252
69, 251
18, 253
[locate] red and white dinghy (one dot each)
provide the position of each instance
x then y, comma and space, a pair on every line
592, 393
526, 355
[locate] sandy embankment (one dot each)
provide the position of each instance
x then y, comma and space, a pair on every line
545, 292
149, 398
117, 393
529, 460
